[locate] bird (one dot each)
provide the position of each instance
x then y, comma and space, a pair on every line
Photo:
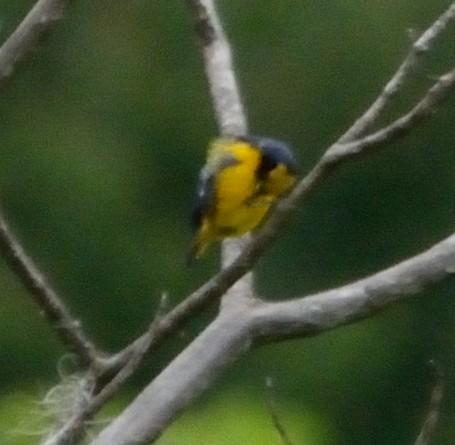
241, 180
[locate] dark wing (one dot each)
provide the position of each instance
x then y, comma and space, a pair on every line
205, 191
205, 194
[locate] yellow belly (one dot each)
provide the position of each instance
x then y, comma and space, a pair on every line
240, 201
235, 222
236, 209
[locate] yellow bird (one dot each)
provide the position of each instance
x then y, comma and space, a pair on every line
240, 181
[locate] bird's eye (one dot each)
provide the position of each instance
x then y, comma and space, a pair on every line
267, 165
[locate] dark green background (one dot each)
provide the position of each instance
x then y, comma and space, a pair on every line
102, 134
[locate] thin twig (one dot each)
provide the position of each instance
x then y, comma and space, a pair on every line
134, 359
432, 416
35, 27
67, 327
439, 92
76, 423
271, 404
421, 46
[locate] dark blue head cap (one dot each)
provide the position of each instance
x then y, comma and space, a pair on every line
273, 153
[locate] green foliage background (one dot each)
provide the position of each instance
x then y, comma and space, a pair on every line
102, 134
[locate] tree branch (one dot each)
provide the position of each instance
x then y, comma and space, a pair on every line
35, 28
307, 316
420, 47
67, 327
241, 325
219, 68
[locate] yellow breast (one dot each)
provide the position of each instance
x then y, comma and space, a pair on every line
236, 210
241, 197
